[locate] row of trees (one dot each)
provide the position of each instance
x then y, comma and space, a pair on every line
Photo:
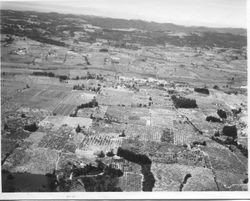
93, 103
82, 87
48, 74
90, 76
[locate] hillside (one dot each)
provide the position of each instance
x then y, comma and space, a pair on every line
55, 28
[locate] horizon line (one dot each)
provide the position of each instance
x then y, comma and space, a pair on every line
135, 19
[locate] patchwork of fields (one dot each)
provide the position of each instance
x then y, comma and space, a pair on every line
98, 114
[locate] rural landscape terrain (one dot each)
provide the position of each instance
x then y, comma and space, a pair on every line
102, 104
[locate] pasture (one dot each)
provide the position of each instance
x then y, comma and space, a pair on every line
73, 122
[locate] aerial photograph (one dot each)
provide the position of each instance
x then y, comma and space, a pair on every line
124, 96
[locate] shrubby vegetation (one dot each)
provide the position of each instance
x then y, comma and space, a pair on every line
235, 111
89, 169
30, 33
199, 143
93, 103
167, 136
181, 102
184, 181
31, 127
99, 178
230, 131
145, 162
202, 90
78, 129
90, 76
215, 87
110, 153
213, 119
101, 154
82, 87
123, 134
48, 74
103, 50
63, 77
9, 39
78, 87
243, 149
133, 157
232, 142
222, 114
149, 180
245, 181
112, 172
42, 39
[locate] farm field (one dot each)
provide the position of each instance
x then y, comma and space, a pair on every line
95, 107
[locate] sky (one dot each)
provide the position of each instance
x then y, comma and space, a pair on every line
212, 13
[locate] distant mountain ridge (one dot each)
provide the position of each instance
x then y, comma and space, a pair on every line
107, 22
155, 26
58, 29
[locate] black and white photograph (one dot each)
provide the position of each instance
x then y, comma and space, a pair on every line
124, 96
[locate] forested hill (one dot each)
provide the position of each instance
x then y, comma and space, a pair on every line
58, 29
